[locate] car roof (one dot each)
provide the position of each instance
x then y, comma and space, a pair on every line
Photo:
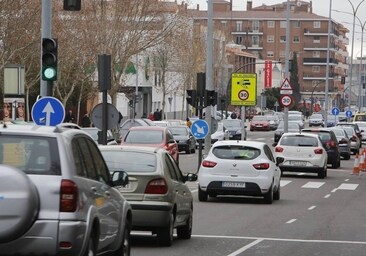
239, 142
299, 134
149, 128
126, 147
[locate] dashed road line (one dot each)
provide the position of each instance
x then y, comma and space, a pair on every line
291, 221
244, 248
312, 184
311, 207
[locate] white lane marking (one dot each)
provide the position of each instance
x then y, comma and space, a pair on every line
327, 196
284, 182
346, 180
347, 186
194, 190
312, 184
248, 246
311, 207
291, 221
334, 190
301, 173
281, 239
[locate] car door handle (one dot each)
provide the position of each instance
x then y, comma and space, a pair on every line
94, 189
108, 194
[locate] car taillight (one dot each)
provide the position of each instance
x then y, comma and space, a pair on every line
318, 151
331, 144
157, 186
208, 164
68, 196
343, 141
278, 149
354, 138
261, 166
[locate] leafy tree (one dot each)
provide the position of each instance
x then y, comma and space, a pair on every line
294, 81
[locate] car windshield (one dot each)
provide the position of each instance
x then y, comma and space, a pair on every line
316, 116
261, 118
339, 132
295, 117
144, 137
94, 133
232, 123
296, 141
291, 125
349, 131
179, 131
236, 152
129, 161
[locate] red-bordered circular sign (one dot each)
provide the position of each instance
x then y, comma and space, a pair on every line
286, 100
243, 94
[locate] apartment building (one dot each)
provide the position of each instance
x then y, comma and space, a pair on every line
261, 31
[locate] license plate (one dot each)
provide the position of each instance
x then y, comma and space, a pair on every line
229, 184
298, 163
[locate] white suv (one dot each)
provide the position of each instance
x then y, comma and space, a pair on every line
57, 196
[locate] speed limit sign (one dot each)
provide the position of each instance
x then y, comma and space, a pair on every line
286, 100
243, 94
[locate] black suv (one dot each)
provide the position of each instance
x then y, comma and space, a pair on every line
330, 144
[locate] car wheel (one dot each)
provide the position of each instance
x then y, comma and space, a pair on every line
348, 156
125, 247
188, 150
202, 195
185, 231
91, 248
268, 197
165, 234
322, 172
277, 194
335, 163
194, 150
24, 205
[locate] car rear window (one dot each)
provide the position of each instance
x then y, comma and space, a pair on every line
129, 161
144, 137
180, 131
296, 141
236, 152
323, 135
31, 154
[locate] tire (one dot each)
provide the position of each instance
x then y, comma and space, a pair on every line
202, 195
91, 248
268, 197
185, 232
322, 173
347, 157
277, 194
165, 234
335, 164
188, 150
125, 248
194, 150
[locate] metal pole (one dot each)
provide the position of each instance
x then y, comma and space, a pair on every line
46, 31
243, 131
360, 103
327, 67
285, 118
137, 88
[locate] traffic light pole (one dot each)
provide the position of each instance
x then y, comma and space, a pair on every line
46, 24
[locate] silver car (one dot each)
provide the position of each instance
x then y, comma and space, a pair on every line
157, 192
57, 196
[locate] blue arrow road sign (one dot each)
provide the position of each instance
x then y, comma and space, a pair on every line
200, 129
48, 111
335, 111
349, 113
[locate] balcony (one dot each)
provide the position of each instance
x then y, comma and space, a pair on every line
317, 75
319, 61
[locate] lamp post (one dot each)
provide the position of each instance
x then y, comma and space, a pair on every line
312, 95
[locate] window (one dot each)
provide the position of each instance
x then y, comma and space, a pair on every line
270, 54
255, 25
316, 54
255, 41
223, 23
236, 152
283, 24
170, 167
239, 25
296, 23
296, 39
316, 69
238, 40
100, 166
270, 39
130, 161
316, 39
316, 24
282, 39
270, 24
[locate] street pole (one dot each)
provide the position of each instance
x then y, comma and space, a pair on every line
46, 31
327, 67
285, 118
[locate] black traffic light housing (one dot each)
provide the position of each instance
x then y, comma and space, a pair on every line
210, 98
192, 98
343, 80
130, 103
49, 59
72, 5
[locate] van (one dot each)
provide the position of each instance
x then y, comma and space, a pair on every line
359, 117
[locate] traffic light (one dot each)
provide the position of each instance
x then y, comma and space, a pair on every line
343, 80
49, 59
210, 98
72, 5
130, 103
192, 98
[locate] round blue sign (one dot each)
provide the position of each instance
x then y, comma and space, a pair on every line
48, 111
349, 113
335, 111
199, 129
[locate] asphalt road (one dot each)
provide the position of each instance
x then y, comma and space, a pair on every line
313, 217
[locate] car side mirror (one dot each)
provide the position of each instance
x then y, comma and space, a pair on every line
190, 177
279, 160
120, 178
171, 141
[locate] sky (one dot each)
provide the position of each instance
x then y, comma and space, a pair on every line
320, 7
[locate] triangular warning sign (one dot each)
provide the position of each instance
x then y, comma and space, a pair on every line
286, 85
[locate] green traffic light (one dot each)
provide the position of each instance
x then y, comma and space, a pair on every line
49, 74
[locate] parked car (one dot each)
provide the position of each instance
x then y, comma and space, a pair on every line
221, 134
316, 120
344, 142
362, 127
95, 133
234, 126
160, 199
355, 127
302, 152
245, 168
299, 118
184, 137
330, 143
58, 196
260, 123
152, 136
356, 143
291, 127
126, 125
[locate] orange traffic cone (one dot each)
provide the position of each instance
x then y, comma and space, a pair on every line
361, 165
356, 165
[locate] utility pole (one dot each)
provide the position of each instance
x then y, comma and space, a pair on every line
46, 32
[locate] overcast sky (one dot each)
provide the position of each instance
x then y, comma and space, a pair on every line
320, 7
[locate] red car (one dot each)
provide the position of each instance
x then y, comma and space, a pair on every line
260, 123
152, 136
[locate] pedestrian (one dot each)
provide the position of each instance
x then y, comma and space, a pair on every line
151, 116
69, 118
157, 115
188, 123
120, 117
85, 121
233, 115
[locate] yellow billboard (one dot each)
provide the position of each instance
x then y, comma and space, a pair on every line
243, 89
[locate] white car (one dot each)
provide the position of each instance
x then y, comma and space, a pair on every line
302, 152
241, 168
220, 134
